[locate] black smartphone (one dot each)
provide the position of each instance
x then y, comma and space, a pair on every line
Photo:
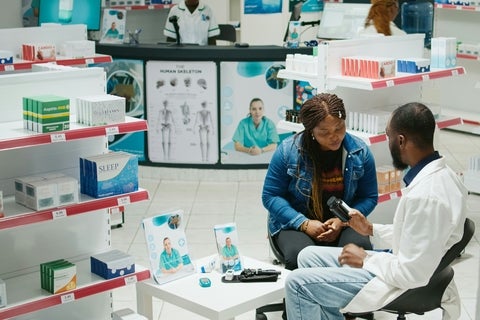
339, 208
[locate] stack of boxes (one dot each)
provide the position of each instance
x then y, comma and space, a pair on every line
58, 276
40, 52
112, 264
389, 179
108, 174
373, 122
100, 110
46, 191
368, 67
46, 113
444, 52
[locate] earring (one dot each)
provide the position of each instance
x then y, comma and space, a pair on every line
313, 137
339, 114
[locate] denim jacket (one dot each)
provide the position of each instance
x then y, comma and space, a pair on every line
285, 193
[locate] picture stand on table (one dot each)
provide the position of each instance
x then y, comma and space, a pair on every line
167, 246
227, 244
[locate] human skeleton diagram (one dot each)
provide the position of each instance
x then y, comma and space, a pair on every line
204, 125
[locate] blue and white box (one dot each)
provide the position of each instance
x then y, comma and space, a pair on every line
109, 174
112, 264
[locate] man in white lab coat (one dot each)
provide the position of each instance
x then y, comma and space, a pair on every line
429, 219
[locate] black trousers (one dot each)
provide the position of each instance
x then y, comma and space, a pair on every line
291, 242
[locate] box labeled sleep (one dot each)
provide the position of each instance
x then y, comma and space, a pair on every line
109, 174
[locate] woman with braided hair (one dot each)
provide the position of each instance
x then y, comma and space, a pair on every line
310, 167
380, 19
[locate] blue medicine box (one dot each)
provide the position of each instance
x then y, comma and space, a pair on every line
112, 264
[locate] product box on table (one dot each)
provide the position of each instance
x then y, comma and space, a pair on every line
112, 264
78, 49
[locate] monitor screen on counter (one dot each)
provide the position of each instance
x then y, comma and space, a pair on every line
67, 12
342, 20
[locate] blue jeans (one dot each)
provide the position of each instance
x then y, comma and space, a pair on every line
320, 286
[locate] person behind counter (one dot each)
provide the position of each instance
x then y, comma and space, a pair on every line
380, 19
196, 23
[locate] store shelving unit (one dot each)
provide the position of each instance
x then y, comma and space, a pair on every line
144, 7
73, 232
361, 94
460, 22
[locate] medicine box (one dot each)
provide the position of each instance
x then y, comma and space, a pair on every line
39, 52
41, 194
3, 294
67, 190
112, 264
100, 110
413, 65
78, 49
6, 57
58, 276
109, 174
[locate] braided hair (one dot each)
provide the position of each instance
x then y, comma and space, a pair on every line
314, 111
381, 13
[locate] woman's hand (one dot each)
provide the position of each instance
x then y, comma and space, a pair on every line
334, 227
315, 228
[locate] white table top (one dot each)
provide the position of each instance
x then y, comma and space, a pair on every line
220, 300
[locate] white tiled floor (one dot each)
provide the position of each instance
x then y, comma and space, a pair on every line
211, 197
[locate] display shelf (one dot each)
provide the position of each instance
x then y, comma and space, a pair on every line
372, 84
144, 7
17, 137
456, 7
389, 196
17, 214
25, 295
27, 65
468, 56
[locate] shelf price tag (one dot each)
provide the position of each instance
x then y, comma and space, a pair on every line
454, 72
425, 77
9, 67
123, 201
59, 214
89, 61
58, 137
130, 280
151, 7
69, 297
112, 130
390, 83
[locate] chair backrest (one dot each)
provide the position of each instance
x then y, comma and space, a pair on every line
427, 298
457, 248
227, 33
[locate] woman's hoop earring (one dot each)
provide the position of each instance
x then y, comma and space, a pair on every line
313, 137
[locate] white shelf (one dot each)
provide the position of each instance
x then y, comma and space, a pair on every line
27, 65
144, 7
457, 7
15, 136
24, 294
372, 84
18, 215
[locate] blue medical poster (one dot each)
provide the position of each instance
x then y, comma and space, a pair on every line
262, 6
312, 6
125, 79
182, 112
244, 82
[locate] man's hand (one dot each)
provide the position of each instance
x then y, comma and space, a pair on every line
352, 255
359, 223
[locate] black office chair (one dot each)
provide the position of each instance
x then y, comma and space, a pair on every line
227, 33
429, 297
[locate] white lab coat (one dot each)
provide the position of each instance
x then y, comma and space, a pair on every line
194, 27
429, 219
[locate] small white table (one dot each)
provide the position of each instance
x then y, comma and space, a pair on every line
221, 300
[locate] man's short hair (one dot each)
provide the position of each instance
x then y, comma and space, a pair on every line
415, 121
